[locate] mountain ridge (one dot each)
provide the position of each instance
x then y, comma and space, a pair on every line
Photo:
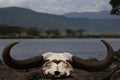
92, 15
27, 18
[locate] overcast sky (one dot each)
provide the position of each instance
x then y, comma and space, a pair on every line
59, 6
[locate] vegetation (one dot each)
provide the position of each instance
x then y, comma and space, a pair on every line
27, 18
115, 7
33, 32
53, 32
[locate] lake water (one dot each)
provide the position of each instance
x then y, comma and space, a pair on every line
84, 48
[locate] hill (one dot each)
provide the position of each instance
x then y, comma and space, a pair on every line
27, 18
92, 15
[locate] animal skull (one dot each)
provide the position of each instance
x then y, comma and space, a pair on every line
57, 64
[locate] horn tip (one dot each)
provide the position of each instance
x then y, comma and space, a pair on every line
104, 41
16, 42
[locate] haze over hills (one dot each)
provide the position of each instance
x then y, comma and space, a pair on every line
27, 18
92, 15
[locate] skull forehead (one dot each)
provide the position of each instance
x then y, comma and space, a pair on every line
57, 56
53, 63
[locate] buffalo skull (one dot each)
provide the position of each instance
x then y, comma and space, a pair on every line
58, 64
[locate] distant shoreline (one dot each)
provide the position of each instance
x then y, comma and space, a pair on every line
64, 37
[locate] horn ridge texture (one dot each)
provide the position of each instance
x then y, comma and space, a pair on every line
96, 65
20, 64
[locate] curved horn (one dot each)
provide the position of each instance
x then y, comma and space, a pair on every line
20, 64
94, 65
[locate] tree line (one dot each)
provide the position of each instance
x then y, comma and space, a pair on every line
115, 7
16, 31
33, 32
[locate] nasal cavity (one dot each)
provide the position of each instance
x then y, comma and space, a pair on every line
57, 72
